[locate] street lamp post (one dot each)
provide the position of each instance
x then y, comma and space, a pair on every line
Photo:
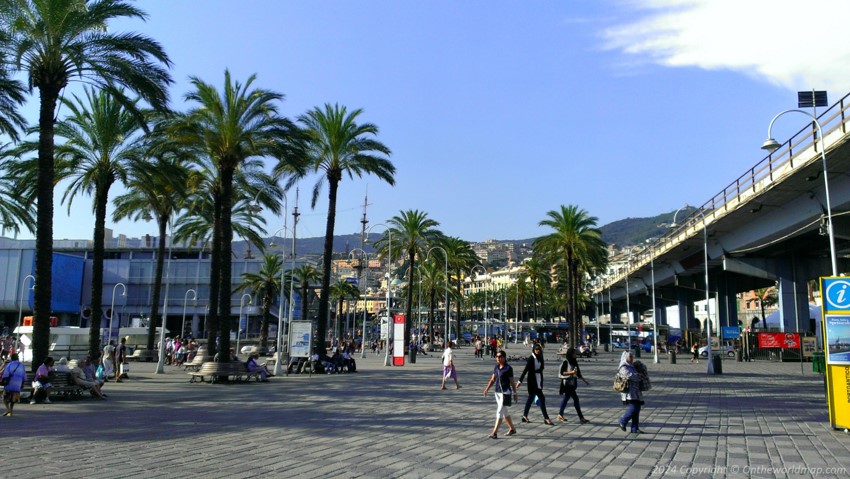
389, 294
239, 324
112, 308
484, 272
277, 350
654, 312
160, 365
446, 302
365, 275
771, 145
185, 300
21, 305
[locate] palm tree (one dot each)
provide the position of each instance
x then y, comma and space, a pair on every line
12, 95
433, 281
156, 191
230, 127
337, 146
101, 138
462, 259
266, 283
413, 231
15, 207
578, 244
537, 275
306, 277
54, 42
341, 291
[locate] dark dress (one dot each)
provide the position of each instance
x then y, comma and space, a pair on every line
534, 388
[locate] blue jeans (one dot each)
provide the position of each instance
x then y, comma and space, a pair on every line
633, 413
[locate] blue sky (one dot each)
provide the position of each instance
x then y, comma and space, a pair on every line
499, 111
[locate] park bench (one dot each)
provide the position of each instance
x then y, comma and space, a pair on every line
63, 384
214, 370
196, 362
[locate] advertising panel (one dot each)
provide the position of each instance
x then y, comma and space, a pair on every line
398, 340
836, 338
779, 340
300, 338
731, 332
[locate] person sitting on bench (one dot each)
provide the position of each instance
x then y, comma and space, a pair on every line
253, 367
41, 384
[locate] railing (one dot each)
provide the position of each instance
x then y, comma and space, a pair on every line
773, 167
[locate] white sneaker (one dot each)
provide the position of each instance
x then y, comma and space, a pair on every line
32, 401
47, 401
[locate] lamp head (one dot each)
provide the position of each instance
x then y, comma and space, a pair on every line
770, 145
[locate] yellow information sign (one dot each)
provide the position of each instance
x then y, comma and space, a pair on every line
835, 292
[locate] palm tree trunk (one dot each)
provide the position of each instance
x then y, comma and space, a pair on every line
44, 232
458, 302
264, 326
101, 200
157, 282
322, 329
224, 262
433, 306
215, 276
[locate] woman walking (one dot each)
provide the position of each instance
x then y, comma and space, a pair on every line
534, 370
569, 375
695, 353
14, 375
632, 398
449, 370
506, 388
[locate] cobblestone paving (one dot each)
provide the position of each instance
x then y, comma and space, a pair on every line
758, 419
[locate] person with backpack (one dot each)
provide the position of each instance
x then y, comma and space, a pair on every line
633, 397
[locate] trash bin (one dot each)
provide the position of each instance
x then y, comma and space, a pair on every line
717, 363
606, 347
818, 362
413, 356
739, 356
672, 357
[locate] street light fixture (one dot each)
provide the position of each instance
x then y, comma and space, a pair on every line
771, 145
239, 324
446, 302
389, 297
112, 309
185, 300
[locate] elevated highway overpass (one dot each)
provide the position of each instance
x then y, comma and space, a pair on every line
768, 226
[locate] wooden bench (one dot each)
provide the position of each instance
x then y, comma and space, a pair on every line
63, 384
214, 370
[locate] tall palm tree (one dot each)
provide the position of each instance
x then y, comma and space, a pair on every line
340, 292
578, 244
433, 281
54, 42
156, 191
101, 137
411, 231
231, 126
266, 283
537, 274
337, 145
462, 259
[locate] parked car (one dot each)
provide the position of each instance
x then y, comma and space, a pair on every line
717, 350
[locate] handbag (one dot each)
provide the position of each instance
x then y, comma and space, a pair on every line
621, 384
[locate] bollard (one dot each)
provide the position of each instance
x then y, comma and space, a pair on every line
413, 356
637, 351
739, 356
606, 347
717, 362
672, 357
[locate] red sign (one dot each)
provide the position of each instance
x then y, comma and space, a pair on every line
779, 340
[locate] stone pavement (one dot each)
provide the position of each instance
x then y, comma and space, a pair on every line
758, 419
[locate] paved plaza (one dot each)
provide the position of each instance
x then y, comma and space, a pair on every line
761, 419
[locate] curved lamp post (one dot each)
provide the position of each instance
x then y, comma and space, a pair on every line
654, 311
241, 304
21, 305
277, 350
484, 273
112, 309
771, 145
185, 300
389, 297
446, 304
365, 275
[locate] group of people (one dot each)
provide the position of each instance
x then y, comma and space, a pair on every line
506, 388
491, 345
8, 346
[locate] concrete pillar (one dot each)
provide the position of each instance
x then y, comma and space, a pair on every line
685, 300
793, 298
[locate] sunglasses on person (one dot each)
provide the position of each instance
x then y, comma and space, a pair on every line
498, 356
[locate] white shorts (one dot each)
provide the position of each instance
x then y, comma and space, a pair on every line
501, 409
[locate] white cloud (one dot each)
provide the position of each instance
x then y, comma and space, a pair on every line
795, 44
